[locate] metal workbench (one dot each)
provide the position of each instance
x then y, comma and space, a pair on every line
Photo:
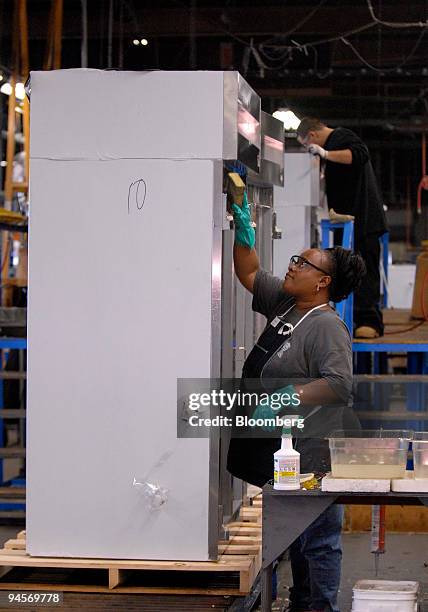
286, 515
402, 335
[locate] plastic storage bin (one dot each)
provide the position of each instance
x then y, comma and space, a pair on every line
369, 453
420, 454
385, 596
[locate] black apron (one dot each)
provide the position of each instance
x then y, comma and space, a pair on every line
251, 458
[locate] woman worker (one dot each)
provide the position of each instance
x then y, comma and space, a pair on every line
315, 345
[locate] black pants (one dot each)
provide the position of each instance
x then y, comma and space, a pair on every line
367, 298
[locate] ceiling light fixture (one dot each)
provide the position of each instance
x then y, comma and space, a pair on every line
144, 42
6, 89
288, 118
20, 91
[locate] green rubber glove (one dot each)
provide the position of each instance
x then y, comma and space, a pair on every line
244, 232
267, 411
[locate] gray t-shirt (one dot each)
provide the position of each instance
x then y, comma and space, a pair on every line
320, 347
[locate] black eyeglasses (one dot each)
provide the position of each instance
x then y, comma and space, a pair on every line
300, 262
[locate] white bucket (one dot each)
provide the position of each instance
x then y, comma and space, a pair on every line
385, 596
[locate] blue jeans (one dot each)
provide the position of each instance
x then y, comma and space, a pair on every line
315, 563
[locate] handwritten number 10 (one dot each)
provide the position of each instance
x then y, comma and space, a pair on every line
137, 194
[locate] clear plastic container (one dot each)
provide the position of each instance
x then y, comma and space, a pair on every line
420, 454
371, 453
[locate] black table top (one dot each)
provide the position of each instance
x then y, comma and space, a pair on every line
392, 495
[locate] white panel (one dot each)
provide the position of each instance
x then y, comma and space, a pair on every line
119, 307
301, 181
96, 114
295, 223
401, 282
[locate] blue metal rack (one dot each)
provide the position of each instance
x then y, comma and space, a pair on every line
371, 358
371, 355
345, 308
8, 344
384, 242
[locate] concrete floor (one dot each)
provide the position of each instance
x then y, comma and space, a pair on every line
406, 558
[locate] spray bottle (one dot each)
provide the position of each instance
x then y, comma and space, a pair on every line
286, 463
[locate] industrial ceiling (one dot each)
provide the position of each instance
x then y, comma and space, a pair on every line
362, 64
356, 62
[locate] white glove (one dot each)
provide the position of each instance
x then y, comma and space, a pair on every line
315, 149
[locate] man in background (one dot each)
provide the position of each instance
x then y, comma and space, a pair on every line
352, 189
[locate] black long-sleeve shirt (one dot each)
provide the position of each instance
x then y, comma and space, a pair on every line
352, 188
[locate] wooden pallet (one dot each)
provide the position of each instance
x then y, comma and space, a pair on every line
232, 574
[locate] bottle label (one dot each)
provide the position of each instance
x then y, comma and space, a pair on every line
286, 471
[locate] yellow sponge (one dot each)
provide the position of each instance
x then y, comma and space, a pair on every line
235, 188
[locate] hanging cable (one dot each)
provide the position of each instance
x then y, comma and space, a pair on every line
392, 24
268, 46
306, 18
363, 28
375, 68
220, 28
323, 41
283, 54
299, 24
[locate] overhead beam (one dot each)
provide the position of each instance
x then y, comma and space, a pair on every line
325, 92
299, 92
239, 21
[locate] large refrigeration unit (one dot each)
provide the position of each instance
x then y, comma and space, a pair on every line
131, 287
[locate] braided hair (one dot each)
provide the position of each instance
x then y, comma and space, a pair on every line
347, 271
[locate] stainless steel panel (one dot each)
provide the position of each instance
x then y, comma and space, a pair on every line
226, 498
216, 338
247, 324
240, 348
263, 203
272, 154
241, 123
301, 182
296, 225
230, 114
228, 306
